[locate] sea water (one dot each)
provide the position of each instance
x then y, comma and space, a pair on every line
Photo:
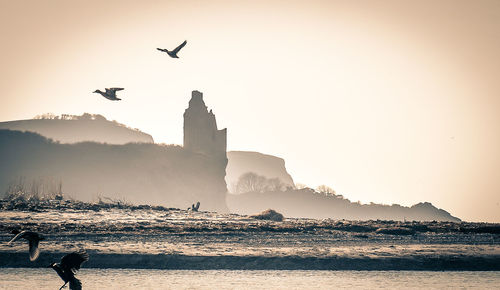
39, 278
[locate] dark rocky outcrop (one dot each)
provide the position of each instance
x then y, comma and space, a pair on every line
306, 203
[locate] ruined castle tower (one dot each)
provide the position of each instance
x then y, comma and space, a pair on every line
200, 130
202, 136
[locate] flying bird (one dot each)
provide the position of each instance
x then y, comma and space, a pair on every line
68, 267
110, 93
174, 52
33, 239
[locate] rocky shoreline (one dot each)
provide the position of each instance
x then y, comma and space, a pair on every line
126, 236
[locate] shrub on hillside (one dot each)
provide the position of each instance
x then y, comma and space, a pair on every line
269, 214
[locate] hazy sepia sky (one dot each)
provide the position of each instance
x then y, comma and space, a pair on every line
385, 101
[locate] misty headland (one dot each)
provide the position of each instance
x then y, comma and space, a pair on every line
91, 158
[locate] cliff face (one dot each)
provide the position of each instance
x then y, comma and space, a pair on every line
306, 203
73, 129
241, 162
139, 173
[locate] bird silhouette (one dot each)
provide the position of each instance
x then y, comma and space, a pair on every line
174, 52
33, 239
70, 263
195, 207
110, 93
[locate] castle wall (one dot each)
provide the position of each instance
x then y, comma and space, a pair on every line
200, 129
202, 136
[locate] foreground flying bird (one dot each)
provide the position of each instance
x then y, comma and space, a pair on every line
174, 52
68, 267
33, 239
110, 93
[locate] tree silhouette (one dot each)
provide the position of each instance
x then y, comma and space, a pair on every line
252, 182
326, 190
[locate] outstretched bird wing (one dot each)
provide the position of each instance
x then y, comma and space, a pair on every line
72, 262
34, 249
176, 50
163, 50
17, 237
115, 89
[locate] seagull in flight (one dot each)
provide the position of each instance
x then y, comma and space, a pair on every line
174, 52
110, 93
70, 263
33, 239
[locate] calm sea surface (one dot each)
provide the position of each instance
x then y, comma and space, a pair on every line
35, 278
